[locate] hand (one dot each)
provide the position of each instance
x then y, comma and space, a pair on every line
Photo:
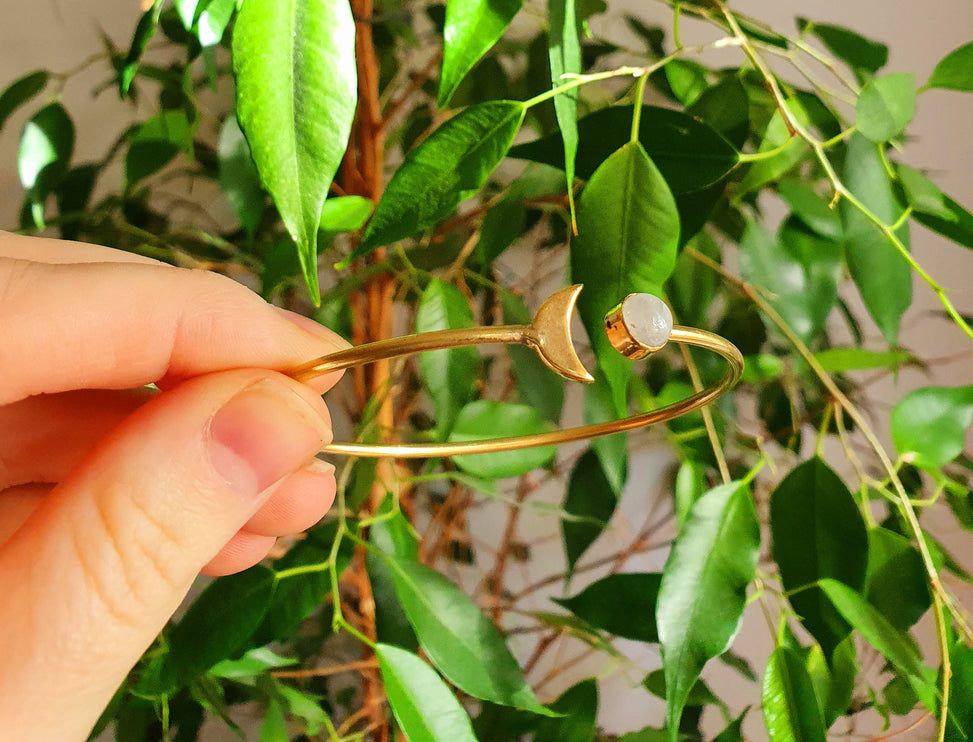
113, 497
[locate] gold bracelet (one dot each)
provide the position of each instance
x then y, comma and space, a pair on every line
639, 326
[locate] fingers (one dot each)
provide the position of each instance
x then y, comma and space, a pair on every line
99, 567
48, 250
298, 504
122, 325
42, 438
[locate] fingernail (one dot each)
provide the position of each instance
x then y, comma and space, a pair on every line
264, 433
317, 466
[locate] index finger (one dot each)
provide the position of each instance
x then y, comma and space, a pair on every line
115, 325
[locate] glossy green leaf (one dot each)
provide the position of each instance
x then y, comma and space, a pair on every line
73, 195
733, 731
186, 10
579, 706
539, 387
612, 450
591, 498
790, 710
788, 149
726, 108
955, 70
703, 591
688, 153
343, 214
44, 154
648, 734
817, 532
842, 360
273, 728
239, 178
922, 194
689, 486
687, 80
863, 56
959, 727
303, 582
393, 535
294, 62
958, 227
929, 425
472, 27
699, 695
622, 604
220, 621
812, 209
896, 646
213, 21
896, 580
692, 287
486, 419
878, 269
564, 52
833, 678
459, 640
253, 663
422, 703
501, 227
21, 91
144, 31
885, 106
628, 232
303, 706
448, 166
449, 375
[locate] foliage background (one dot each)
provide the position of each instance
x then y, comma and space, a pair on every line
57, 34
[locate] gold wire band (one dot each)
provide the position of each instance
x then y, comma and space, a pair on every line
549, 335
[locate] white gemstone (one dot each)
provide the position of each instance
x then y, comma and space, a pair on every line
648, 319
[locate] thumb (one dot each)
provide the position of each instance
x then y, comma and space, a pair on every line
95, 573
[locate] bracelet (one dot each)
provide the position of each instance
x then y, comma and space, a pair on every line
639, 326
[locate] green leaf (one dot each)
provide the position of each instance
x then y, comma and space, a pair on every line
459, 640
564, 51
186, 10
896, 580
144, 31
579, 706
21, 91
800, 272
628, 232
703, 591
590, 497
43, 155
777, 136
485, 419
448, 166
239, 178
896, 646
790, 710
622, 604
885, 106
726, 108
958, 227
214, 20
863, 56
345, 214
955, 70
294, 63
392, 535
699, 695
733, 731
220, 621
817, 532
253, 663
842, 360
959, 727
922, 194
501, 227
449, 375
878, 269
472, 28
612, 450
687, 80
539, 387
305, 707
812, 209
929, 425
154, 144
689, 486
688, 153
423, 706
73, 194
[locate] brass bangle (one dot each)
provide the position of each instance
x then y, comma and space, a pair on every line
549, 334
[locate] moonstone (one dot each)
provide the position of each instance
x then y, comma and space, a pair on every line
648, 319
